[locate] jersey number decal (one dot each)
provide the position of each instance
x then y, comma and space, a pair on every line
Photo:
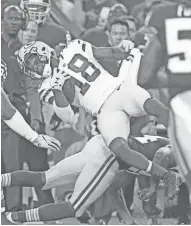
147, 139
79, 64
178, 41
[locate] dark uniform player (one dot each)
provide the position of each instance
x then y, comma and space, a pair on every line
171, 48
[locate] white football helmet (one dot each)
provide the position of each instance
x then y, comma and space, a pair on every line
38, 9
34, 59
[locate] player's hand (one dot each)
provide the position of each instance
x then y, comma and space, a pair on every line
60, 75
45, 141
126, 45
45, 91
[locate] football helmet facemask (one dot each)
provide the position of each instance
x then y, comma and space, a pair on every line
38, 9
34, 59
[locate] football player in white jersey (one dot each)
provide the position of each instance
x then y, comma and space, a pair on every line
97, 91
112, 100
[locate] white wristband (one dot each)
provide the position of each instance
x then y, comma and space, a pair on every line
149, 167
19, 125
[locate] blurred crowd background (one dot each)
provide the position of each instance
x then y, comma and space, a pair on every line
100, 22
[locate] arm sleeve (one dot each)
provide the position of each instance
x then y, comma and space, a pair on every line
109, 53
14, 119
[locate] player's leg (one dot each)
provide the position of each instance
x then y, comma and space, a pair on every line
23, 178
137, 101
47, 179
60, 173
114, 127
66, 171
96, 177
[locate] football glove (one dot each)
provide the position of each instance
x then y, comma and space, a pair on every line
60, 75
45, 141
126, 45
45, 91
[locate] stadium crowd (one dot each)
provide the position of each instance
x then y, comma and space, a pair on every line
102, 23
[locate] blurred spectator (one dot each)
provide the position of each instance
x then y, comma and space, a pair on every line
117, 11
92, 10
102, 19
118, 30
129, 4
132, 26
98, 36
30, 34
141, 10
50, 33
67, 8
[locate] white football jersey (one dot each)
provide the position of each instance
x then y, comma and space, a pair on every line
93, 84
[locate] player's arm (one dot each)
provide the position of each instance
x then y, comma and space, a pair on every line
14, 119
151, 62
16, 122
62, 107
119, 52
61, 89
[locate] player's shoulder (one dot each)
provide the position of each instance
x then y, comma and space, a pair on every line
79, 42
161, 13
82, 46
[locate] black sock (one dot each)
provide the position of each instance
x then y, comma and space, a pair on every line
49, 212
23, 178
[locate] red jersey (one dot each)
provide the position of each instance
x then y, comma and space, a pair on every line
173, 26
